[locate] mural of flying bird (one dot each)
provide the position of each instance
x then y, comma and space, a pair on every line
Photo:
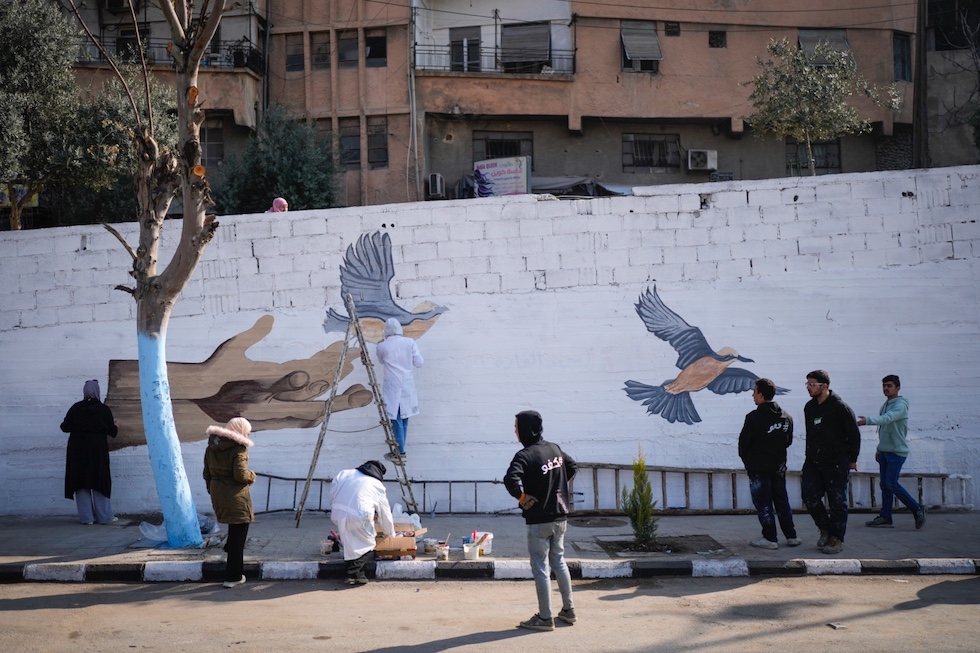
701, 367
366, 275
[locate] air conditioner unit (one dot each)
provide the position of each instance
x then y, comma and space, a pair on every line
437, 186
120, 6
702, 160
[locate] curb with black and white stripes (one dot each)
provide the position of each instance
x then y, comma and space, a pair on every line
198, 571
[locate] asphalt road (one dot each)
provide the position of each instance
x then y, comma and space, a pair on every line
799, 614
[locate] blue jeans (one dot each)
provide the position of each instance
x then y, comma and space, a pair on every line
771, 501
828, 480
890, 466
546, 544
399, 428
92, 505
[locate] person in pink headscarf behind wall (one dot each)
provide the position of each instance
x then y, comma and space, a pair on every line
279, 205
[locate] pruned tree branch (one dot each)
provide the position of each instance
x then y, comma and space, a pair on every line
112, 230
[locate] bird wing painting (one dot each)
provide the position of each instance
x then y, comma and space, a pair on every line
701, 367
366, 275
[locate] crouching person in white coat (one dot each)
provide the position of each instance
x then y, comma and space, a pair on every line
357, 497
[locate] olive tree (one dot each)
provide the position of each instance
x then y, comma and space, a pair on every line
805, 95
38, 101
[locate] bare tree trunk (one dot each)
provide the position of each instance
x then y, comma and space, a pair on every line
16, 209
809, 157
160, 177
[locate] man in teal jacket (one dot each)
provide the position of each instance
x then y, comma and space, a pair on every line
893, 449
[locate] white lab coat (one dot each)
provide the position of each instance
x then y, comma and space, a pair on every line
399, 355
355, 500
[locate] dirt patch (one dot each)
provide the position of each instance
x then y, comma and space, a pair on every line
677, 544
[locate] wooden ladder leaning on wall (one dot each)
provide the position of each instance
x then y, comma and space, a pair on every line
354, 330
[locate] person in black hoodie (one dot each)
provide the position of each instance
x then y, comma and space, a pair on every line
538, 478
833, 442
762, 444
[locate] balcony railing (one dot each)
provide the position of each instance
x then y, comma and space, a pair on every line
220, 54
494, 60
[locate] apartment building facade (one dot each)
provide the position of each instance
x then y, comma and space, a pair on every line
232, 76
414, 92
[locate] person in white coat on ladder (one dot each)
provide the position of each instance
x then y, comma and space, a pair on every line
399, 355
357, 498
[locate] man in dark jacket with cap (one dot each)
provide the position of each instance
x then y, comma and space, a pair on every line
833, 442
762, 444
538, 478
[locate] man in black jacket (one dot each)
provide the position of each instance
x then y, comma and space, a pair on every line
538, 478
833, 442
762, 444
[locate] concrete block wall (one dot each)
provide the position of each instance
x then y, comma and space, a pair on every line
861, 275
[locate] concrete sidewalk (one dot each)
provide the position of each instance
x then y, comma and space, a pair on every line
61, 549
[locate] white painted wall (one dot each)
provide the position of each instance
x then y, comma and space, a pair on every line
861, 275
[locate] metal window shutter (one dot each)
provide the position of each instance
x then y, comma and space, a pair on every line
457, 34
640, 40
525, 42
837, 38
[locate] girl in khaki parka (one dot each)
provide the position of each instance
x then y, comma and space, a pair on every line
227, 476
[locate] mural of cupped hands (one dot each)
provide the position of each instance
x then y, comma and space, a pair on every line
274, 395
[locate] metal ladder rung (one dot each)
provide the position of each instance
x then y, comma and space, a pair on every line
354, 325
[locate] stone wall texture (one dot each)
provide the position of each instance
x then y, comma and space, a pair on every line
861, 275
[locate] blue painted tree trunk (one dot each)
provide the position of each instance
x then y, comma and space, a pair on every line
173, 489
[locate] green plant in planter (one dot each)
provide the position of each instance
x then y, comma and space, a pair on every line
638, 503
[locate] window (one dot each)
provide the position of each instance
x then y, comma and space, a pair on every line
641, 48
525, 47
214, 47
464, 49
672, 29
377, 142
294, 53
826, 158
350, 143
347, 49
376, 49
717, 39
651, 153
902, 52
320, 50
834, 39
497, 145
127, 42
212, 143
949, 24
324, 130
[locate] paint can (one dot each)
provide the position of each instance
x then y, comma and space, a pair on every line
442, 551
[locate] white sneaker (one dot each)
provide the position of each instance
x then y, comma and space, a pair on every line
233, 583
763, 543
793, 541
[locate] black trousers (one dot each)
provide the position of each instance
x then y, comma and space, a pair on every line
355, 567
235, 548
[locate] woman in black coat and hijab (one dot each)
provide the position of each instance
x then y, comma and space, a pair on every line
87, 477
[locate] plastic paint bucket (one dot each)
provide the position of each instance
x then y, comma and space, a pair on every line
442, 552
471, 551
